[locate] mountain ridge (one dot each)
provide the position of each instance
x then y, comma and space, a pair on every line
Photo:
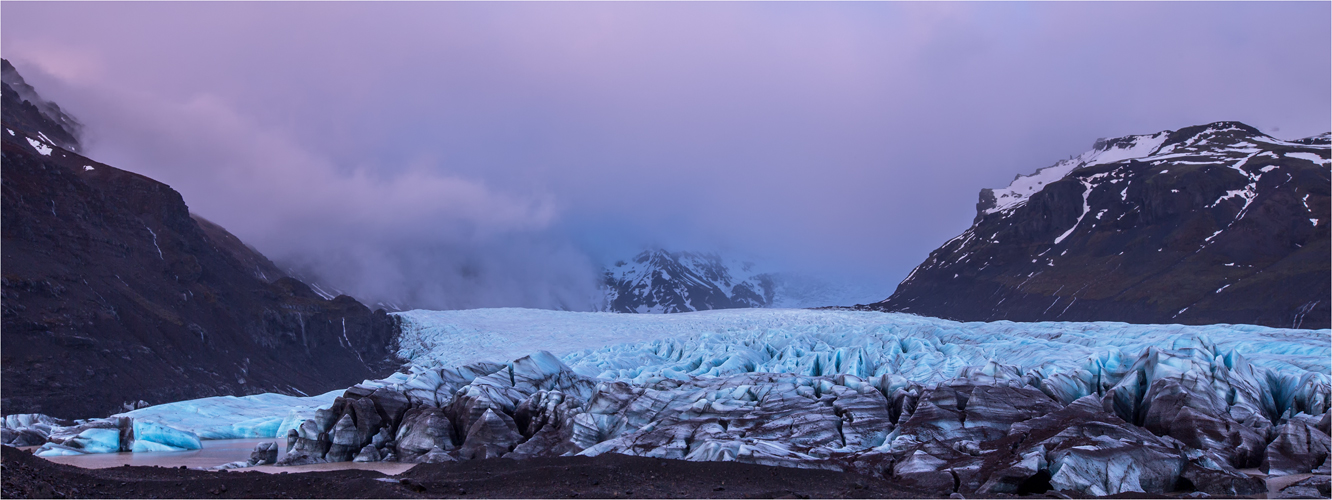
662, 281
1215, 223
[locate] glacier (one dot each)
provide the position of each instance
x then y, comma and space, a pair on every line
977, 408
935, 349
231, 417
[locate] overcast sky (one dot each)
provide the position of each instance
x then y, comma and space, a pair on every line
494, 154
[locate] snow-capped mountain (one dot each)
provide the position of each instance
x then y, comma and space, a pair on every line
1214, 223
659, 281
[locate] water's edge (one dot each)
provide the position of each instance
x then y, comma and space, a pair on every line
215, 452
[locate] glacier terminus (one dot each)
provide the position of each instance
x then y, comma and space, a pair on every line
947, 407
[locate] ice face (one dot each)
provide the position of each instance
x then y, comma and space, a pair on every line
230, 417
152, 436
865, 344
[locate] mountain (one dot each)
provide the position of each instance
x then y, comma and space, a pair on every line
1215, 223
28, 111
660, 281
113, 292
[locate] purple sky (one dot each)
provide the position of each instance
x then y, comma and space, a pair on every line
493, 154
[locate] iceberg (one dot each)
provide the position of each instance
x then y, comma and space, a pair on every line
230, 417
153, 436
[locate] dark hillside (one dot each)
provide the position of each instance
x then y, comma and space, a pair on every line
112, 293
1216, 223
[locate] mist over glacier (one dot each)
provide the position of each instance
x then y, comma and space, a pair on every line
498, 154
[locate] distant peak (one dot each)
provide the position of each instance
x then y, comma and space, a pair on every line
1229, 129
1322, 139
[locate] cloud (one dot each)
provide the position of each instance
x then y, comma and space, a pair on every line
540, 138
414, 235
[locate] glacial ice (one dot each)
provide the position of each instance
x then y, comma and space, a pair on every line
1096, 407
922, 349
99, 440
152, 436
230, 417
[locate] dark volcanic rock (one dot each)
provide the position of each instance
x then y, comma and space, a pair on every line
1216, 223
112, 292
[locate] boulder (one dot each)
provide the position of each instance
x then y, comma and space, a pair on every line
1312, 487
1011, 479
1299, 447
423, 428
435, 456
1212, 475
367, 454
1110, 466
491, 436
264, 454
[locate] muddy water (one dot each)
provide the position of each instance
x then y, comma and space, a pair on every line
216, 452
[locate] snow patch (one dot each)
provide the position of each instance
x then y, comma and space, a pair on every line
1310, 157
41, 148
1023, 187
159, 249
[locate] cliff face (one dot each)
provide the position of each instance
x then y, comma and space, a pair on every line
1216, 223
112, 293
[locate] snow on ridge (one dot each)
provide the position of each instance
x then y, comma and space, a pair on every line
1311, 157
727, 274
1124, 148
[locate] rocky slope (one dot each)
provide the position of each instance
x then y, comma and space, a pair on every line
1215, 223
113, 293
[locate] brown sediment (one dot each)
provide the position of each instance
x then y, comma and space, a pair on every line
604, 476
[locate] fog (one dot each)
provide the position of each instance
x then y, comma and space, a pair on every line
455, 155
